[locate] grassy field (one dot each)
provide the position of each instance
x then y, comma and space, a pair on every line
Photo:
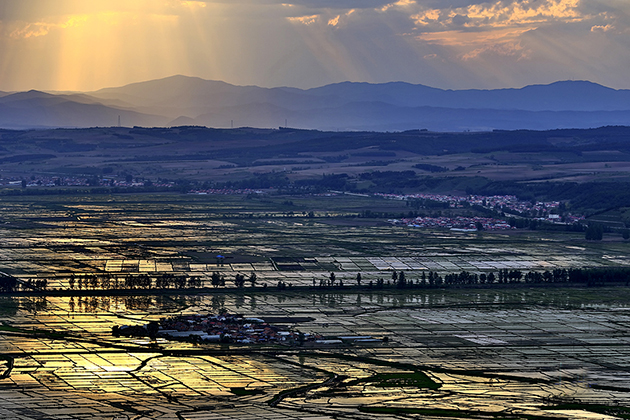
206, 155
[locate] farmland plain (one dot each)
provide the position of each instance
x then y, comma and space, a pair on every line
487, 352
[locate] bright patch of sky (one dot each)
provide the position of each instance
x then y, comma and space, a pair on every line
87, 45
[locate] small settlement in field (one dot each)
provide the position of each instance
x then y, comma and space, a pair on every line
230, 328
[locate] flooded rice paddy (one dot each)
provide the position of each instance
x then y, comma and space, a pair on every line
492, 354
539, 353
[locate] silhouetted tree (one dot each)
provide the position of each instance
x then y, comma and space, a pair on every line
239, 280
491, 278
215, 279
594, 232
401, 282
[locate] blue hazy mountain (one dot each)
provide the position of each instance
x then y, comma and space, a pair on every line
559, 96
35, 109
181, 100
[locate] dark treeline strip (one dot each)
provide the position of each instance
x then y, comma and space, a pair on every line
143, 283
430, 168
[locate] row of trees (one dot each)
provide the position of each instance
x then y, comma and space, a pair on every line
134, 281
11, 284
93, 304
142, 281
399, 279
430, 279
590, 276
239, 280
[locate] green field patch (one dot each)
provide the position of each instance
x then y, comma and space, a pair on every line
10, 329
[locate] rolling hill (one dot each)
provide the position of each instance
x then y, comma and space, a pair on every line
396, 106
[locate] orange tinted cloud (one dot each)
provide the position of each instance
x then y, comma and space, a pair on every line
89, 44
602, 28
304, 20
36, 29
502, 14
492, 28
507, 49
463, 39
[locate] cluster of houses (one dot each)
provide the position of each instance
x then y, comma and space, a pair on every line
225, 191
459, 223
231, 328
508, 202
44, 181
222, 328
542, 210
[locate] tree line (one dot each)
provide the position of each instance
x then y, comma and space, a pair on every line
431, 279
399, 279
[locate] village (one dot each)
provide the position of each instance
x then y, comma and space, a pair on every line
507, 205
547, 211
81, 181
459, 223
227, 328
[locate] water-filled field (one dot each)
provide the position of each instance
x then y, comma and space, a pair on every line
54, 237
510, 352
484, 354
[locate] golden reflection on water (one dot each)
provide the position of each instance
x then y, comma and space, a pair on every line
67, 363
428, 329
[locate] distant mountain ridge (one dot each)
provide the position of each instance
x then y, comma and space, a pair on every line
394, 106
558, 96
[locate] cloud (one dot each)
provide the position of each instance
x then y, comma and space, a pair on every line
506, 49
31, 30
446, 43
25, 30
500, 14
466, 39
304, 20
339, 4
491, 30
194, 4
399, 4
602, 28
37, 29
330, 19
311, 4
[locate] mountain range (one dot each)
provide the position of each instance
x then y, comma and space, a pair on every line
396, 106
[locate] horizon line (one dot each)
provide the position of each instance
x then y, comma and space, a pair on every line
69, 92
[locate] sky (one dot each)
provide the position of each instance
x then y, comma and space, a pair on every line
85, 45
